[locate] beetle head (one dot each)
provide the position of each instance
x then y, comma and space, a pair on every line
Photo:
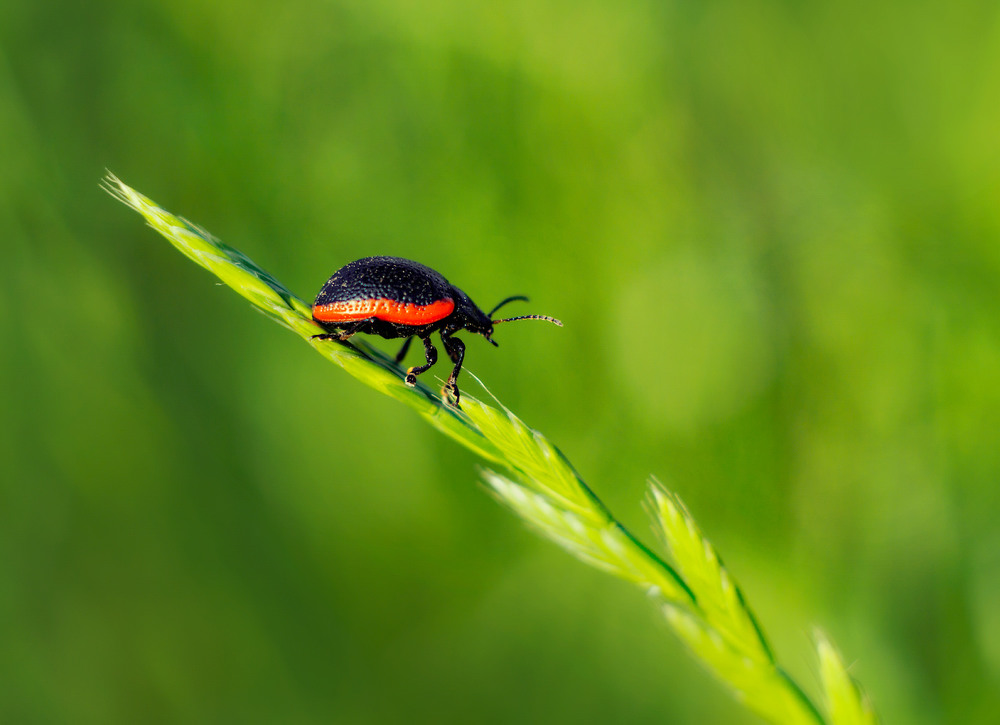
468, 316
475, 320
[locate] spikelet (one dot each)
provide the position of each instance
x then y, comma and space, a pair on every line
846, 703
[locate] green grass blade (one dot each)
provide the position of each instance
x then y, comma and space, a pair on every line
601, 542
845, 701
760, 686
719, 597
701, 600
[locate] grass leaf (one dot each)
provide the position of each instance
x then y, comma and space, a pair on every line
699, 597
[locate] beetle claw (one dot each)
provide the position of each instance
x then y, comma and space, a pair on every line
451, 395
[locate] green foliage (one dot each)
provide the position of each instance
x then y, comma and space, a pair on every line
699, 598
770, 228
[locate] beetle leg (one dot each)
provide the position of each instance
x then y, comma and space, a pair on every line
432, 357
456, 351
402, 353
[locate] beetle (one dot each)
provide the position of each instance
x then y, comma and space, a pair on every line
394, 297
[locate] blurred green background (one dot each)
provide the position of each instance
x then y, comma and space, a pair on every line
770, 228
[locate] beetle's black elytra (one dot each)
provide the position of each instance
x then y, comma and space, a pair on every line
394, 297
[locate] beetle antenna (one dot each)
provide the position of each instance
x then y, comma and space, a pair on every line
553, 320
515, 298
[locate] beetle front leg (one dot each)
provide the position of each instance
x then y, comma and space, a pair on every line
456, 351
431, 354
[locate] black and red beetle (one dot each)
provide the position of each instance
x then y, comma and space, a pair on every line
394, 297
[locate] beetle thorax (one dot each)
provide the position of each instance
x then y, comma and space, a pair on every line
467, 315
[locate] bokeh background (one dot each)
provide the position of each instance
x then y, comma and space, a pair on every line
770, 228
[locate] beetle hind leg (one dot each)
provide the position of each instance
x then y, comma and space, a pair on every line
402, 351
430, 352
345, 334
456, 351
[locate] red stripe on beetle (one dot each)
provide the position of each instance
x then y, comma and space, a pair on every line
403, 313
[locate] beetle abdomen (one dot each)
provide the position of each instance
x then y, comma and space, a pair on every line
403, 313
392, 289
